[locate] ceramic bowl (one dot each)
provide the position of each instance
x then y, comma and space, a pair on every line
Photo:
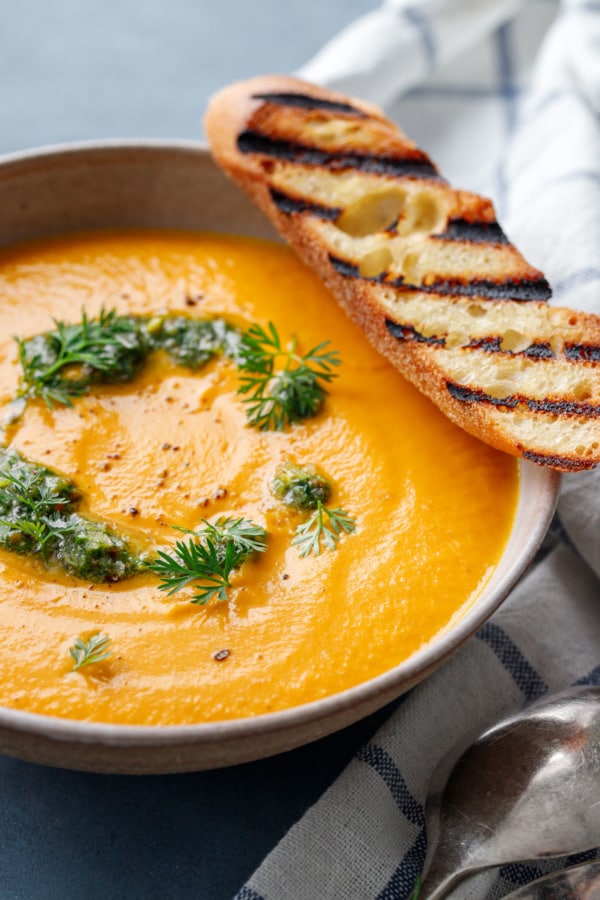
176, 185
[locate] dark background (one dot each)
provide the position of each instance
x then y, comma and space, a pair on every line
81, 69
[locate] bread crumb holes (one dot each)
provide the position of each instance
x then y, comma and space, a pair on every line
372, 213
410, 268
425, 213
476, 311
514, 341
375, 263
582, 391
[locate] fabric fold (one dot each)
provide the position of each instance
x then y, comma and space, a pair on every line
396, 46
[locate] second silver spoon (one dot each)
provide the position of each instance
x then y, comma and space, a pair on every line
528, 788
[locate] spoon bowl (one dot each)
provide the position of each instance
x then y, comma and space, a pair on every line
528, 788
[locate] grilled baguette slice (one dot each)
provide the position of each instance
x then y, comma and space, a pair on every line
424, 269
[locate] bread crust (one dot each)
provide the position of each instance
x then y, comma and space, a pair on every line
440, 291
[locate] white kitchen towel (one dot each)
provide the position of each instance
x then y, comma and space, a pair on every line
505, 97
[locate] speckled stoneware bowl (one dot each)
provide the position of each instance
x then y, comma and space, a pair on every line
176, 185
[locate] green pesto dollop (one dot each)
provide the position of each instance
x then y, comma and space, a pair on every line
300, 488
94, 551
64, 363
38, 518
192, 342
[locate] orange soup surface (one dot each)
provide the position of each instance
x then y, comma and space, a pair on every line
433, 506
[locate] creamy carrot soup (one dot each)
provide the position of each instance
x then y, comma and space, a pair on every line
428, 507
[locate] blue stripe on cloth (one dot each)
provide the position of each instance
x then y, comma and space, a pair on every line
248, 893
386, 768
592, 677
506, 75
558, 531
576, 858
584, 6
576, 279
456, 91
524, 675
508, 93
550, 99
576, 175
522, 873
501, 203
402, 883
422, 24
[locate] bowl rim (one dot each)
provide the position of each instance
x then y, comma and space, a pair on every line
431, 654
65, 148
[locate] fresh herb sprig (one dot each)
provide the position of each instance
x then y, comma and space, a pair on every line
246, 537
279, 385
303, 488
86, 653
417, 888
32, 510
192, 561
208, 558
324, 525
60, 365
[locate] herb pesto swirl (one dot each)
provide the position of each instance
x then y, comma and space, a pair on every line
278, 385
64, 363
38, 518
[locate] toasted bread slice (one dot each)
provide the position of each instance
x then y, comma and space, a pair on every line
424, 269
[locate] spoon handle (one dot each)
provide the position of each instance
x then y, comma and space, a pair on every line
439, 883
578, 881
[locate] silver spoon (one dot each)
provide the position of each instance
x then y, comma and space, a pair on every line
528, 788
581, 881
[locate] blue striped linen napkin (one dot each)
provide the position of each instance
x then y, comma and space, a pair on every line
505, 96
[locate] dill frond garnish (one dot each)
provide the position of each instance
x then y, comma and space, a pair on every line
279, 385
94, 650
208, 558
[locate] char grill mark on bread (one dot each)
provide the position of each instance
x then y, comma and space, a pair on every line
408, 333
524, 289
562, 463
478, 232
412, 165
583, 352
488, 344
424, 269
537, 350
556, 407
288, 204
305, 101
